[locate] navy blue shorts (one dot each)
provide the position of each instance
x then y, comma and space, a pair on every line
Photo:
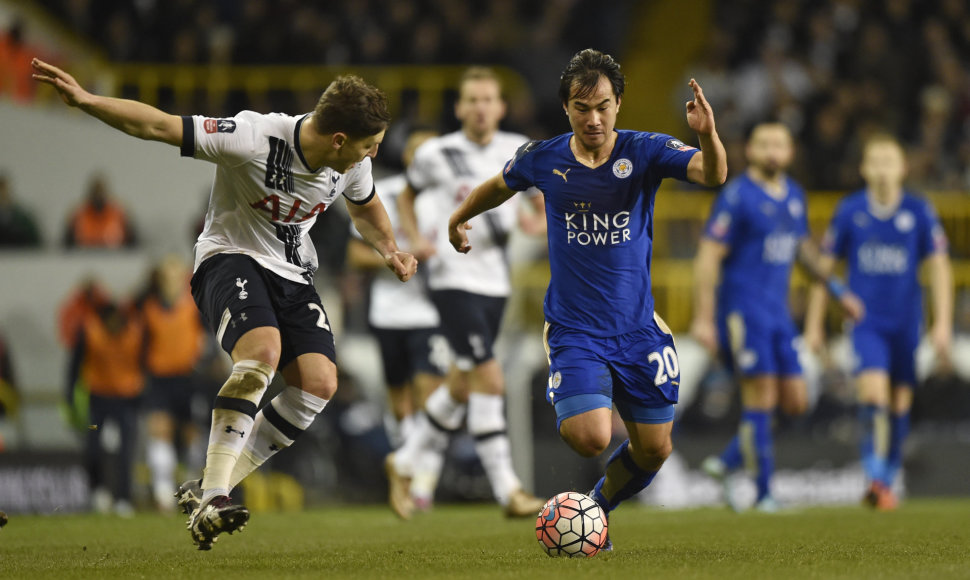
471, 323
406, 352
755, 345
236, 295
171, 395
638, 372
893, 351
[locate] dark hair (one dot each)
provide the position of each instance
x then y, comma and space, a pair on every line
584, 71
351, 106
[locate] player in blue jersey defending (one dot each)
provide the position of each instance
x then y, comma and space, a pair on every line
756, 230
884, 233
605, 343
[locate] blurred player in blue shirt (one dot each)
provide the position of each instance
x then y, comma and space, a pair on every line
756, 231
605, 343
884, 233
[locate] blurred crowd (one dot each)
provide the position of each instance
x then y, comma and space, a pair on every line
836, 71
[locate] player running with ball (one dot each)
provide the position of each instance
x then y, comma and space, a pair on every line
605, 343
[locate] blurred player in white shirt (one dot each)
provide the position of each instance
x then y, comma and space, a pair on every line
469, 291
254, 262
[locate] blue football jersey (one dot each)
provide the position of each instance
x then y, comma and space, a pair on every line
883, 253
762, 233
600, 226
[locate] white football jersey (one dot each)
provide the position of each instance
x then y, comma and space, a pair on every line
446, 169
264, 197
394, 304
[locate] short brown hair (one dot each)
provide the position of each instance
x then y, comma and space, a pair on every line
351, 106
479, 73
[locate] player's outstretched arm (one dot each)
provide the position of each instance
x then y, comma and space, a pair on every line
372, 222
814, 334
811, 259
707, 271
134, 118
941, 290
419, 245
709, 167
489, 194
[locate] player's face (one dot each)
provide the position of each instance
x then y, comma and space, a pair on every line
354, 150
770, 149
593, 116
480, 107
883, 166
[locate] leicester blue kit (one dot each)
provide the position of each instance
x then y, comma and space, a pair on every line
883, 250
602, 333
762, 233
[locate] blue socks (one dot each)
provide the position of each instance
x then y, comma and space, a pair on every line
898, 430
623, 479
874, 444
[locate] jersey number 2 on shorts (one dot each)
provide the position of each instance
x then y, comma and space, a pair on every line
666, 361
322, 316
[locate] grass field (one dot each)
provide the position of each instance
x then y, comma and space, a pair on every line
924, 539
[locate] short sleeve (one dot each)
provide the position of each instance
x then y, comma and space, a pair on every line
359, 187
726, 216
231, 141
518, 172
669, 156
932, 238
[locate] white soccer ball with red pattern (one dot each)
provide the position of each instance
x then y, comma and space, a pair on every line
571, 524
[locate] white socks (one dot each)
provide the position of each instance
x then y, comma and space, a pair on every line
276, 426
486, 423
162, 460
232, 421
430, 432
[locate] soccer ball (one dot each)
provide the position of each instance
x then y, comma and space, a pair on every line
571, 524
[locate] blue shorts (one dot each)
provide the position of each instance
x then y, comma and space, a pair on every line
757, 345
638, 372
893, 351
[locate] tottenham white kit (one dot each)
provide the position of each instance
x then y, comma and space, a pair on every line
393, 304
264, 197
446, 169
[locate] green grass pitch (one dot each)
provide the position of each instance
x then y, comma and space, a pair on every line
923, 539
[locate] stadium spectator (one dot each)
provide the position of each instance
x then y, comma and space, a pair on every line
884, 233
15, 55
86, 299
106, 370
174, 342
18, 229
9, 394
468, 292
756, 230
254, 265
604, 341
99, 222
414, 353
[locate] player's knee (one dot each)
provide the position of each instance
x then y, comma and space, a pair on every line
323, 385
248, 380
588, 442
795, 407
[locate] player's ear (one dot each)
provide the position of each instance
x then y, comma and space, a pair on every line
618, 101
339, 140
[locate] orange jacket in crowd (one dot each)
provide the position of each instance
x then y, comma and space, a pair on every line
174, 334
99, 227
108, 354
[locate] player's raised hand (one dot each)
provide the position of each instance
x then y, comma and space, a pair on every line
458, 237
68, 88
700, 116
403, 264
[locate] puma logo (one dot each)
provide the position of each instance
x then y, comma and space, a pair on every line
561, 174
242, 288
229, 429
